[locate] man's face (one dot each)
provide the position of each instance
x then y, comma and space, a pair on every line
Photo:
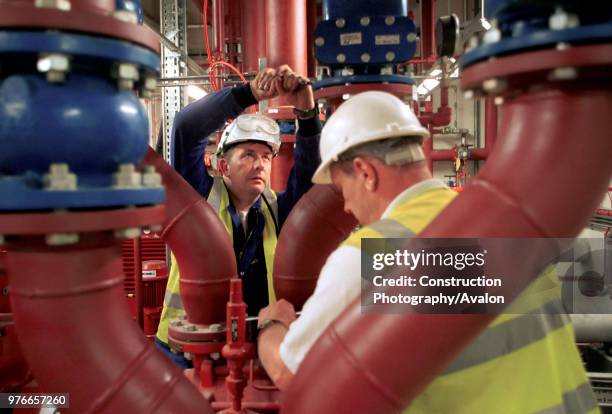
354, 194
248, 167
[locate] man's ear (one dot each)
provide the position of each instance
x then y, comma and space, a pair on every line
366, 172
223, 166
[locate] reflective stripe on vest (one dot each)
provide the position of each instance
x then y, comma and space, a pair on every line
579, 400
522, 363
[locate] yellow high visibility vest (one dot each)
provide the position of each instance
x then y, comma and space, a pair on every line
525, 362
219, 200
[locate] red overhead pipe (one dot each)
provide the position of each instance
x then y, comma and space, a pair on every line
200, 244
77, 334
252, 16
374, 358
316, 226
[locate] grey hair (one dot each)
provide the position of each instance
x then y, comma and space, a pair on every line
396, 151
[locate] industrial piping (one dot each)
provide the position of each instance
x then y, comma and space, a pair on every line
99, 357
200, 244
315, 227
367, 354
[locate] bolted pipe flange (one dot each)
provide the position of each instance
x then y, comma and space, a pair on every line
60, 178
55, 65
63, 5
127, 177
126, 75
61, 239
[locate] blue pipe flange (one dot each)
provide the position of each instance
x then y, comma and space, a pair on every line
365, 41
520, 26
346, 80
71, 127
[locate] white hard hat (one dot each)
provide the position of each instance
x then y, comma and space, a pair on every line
366, 117
250, 127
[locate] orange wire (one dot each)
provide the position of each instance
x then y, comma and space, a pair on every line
211, 63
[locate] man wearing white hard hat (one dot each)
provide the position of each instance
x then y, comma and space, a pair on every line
251, 212
371, 151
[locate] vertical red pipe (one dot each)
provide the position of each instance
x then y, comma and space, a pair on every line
285, 44
428, 23
218, 12
233, 31
286, 36
490, 123
253, 18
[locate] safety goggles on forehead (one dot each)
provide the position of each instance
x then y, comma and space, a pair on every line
257, 123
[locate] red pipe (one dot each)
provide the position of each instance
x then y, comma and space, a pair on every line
428, 24
233, 31
316, 226
282, 163
450, 154
75, 329
218, 13
200, 244
252, 14
444, 113
381, 372
286, 36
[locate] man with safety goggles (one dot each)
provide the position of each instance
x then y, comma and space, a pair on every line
251, 212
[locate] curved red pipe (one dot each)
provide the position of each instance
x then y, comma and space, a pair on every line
378, 360
77, 334
316, 226
200, 244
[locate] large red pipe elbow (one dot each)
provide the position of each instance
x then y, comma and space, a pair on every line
200, 244
77, 334
316, 226
553, 149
